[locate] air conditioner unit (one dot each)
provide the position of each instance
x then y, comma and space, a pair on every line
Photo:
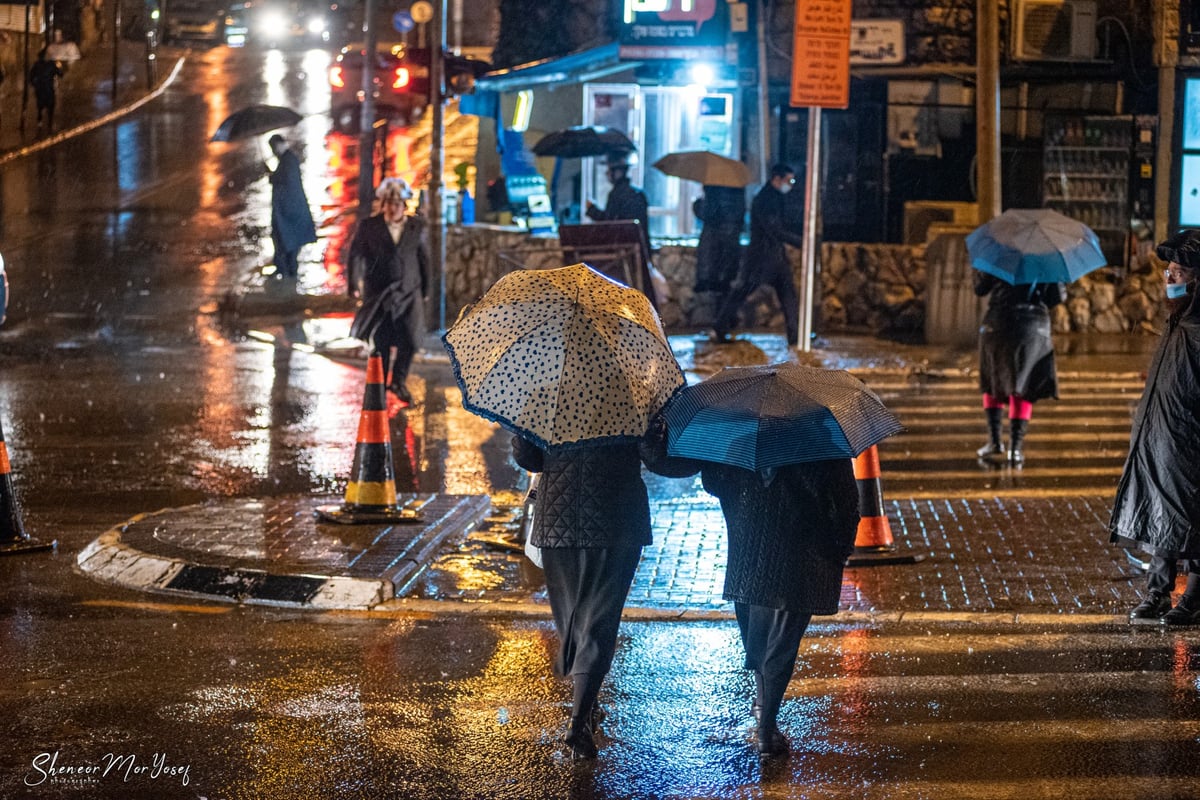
1054, 30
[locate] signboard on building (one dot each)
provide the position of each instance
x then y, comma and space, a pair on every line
876, 42
821, 54
692, 30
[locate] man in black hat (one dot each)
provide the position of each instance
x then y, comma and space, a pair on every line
1157, 506
625, 201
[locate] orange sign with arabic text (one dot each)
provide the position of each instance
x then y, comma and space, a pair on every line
821, 54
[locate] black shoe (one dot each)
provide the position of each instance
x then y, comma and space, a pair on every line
1185, 612
1016, 456
401, 391
720, 337
770, 741
1153, 608
581, 741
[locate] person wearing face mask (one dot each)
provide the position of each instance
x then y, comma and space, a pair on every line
1157, 507
766, 260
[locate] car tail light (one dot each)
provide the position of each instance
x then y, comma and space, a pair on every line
337, 78
402, 78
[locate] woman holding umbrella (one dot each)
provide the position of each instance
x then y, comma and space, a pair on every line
576, 365
774, 445
1016, 360
1023, 258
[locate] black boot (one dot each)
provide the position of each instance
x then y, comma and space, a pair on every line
1016, 440
993, 451
581, 734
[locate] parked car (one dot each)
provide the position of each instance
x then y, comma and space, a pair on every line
401, 81
200, 20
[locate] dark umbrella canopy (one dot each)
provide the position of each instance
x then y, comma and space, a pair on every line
583, 141
770, 416
253, 121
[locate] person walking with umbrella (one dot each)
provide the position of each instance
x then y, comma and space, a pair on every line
625, 201
389, 267
1016, 360
766, 260
576, 365
1022, 258
774, 445
291, 220
1157, 507
43, 77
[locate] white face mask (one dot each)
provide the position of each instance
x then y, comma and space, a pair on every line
787, 187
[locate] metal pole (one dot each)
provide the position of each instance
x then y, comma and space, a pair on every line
366, 120
437, 155
808, 254
987, 106
116, 45
25, 73
764, 104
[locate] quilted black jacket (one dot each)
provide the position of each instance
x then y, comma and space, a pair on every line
789, 537
587, 496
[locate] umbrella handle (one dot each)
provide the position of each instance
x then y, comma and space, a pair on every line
554, 184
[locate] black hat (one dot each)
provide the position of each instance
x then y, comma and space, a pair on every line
1182, 248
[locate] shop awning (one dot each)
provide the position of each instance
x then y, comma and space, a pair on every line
578, 67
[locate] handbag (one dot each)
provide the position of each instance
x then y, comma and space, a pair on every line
532, 552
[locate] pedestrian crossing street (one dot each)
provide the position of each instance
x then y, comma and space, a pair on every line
1076, 444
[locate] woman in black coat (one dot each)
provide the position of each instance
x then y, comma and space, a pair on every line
790, 531
1016, 360
1157, 507
390, 258
591, 519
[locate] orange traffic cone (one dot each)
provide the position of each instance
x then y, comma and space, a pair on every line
371, 491
13, 539
873, 543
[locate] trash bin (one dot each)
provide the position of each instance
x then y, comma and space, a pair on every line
952, 311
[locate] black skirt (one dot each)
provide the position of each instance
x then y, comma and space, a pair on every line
587, 589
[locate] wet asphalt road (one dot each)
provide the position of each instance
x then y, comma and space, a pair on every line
122, 390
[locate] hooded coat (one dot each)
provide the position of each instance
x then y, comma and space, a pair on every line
1157, 507
1016, 354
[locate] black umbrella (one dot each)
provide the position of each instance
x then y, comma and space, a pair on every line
253, 121
583, 141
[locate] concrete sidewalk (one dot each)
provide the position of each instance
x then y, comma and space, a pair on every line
85, 98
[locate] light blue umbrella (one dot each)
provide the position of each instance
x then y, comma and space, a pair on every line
771, 416
1035, 245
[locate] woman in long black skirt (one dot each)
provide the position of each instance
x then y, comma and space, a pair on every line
591, 520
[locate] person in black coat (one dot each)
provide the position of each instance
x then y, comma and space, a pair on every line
591, 519
625, 201
389, 258
1157, 507
766, 260
722, 213
1016, 360
790, 532
43, 77
291, 220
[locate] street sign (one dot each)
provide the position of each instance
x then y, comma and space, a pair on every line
421, 11
821, 54
403, 22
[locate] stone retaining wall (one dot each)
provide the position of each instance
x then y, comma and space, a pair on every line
868, 288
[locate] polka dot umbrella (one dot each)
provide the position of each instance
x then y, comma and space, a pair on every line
563, 357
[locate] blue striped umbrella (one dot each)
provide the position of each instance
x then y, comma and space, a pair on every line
769, 416
1035, 245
